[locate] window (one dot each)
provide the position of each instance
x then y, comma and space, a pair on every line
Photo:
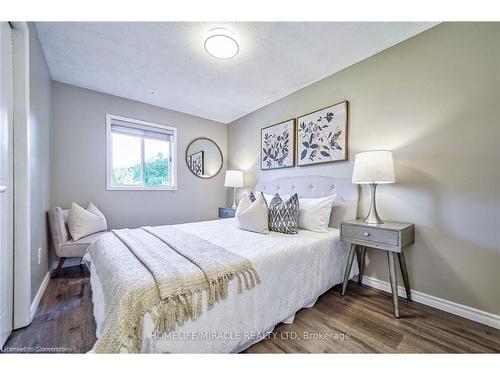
140, 155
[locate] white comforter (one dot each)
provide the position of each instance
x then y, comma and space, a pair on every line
295, 270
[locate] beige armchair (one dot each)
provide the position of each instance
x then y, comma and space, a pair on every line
64, 245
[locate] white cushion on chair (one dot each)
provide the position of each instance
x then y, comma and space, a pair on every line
83, 222
77, 249
64, 245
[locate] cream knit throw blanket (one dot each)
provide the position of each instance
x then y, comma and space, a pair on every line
163, 271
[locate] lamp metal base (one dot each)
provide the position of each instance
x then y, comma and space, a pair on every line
372, 217
234, 199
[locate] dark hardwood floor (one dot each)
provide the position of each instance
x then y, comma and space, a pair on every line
360, 322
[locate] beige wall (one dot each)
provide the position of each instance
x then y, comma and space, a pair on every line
79, 161
435, 101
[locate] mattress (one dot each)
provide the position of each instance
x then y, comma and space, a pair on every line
294, 271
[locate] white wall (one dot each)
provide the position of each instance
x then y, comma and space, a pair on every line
40, 119
79, 163
435, 101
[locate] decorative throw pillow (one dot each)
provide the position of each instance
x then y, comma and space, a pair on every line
83, 222
284, 215
251, 196
252, 216
257, 193
269, 197
314, 213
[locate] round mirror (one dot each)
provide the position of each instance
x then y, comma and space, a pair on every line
204, 157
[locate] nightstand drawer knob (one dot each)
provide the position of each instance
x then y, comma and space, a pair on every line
366, 234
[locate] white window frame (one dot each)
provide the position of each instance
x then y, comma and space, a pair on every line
109, 154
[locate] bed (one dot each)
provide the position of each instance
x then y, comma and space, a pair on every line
294, 271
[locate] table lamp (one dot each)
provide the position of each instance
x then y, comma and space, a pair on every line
373, 168
234, 179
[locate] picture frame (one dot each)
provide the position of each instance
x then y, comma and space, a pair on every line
197, 163
277, 145
322, 135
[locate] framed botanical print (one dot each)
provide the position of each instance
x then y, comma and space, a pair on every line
322, 135
277, 145
197, 163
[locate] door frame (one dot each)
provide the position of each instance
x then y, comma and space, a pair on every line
22, 235
7, 179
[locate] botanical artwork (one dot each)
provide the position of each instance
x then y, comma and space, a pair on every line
197, 163
277, 145
322, 135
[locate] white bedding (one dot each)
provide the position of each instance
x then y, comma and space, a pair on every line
294, 271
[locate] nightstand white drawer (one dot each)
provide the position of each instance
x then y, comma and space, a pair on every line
383, 236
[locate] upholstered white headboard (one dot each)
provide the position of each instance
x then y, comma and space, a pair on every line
346, 202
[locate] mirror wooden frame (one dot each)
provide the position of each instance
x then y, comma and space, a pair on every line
218, 148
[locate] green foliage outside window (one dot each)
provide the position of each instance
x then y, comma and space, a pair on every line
155, 173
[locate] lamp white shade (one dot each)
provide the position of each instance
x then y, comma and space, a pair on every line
233, 179
373, 167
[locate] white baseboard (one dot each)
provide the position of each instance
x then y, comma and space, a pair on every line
471, 313
41, 291
39, 295
70, 262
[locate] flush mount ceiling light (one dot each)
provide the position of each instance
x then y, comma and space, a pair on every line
221, 43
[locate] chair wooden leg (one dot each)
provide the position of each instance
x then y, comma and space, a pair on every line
58, 269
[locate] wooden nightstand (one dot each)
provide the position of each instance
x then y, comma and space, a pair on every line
225, 213
390, 237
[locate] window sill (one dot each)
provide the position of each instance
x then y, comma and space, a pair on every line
141, 188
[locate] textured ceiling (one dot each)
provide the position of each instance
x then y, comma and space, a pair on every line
165, 64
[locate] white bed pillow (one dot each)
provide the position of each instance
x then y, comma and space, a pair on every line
314, 213
83, 222
252, 216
